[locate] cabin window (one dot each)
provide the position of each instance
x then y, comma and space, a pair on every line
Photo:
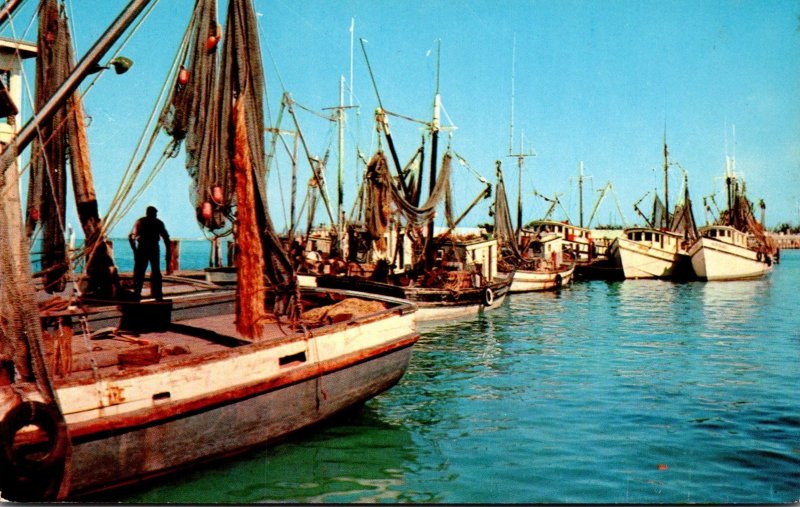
5, 84
648, 236
559, 229
637, 236
712, 234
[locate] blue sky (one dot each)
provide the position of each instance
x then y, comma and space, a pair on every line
594, 82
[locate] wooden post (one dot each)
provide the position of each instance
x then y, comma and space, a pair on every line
231, 253
174, 263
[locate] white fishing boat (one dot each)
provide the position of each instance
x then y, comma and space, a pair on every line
736, 246
724, 253
649, 253
532, 280
659, 250
543, 265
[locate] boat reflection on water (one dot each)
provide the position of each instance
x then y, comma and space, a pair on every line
357, 456
732, 303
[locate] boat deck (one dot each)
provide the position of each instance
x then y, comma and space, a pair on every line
100, 352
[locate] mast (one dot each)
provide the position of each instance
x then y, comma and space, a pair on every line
340, 172
580, 193
519, 190
383, 123
666, 180
511, 123
521, 155
429, 250
352, 35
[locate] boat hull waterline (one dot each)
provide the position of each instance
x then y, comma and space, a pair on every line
432, 303
534, 281
643, 261
717, 260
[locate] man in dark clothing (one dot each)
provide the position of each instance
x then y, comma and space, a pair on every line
147, 231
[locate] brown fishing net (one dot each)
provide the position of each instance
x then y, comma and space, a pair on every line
740, 216
61, 140
193, 115
503, 229
217, 109
343, 310
48, 177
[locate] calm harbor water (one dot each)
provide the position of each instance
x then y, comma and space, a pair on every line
635, 391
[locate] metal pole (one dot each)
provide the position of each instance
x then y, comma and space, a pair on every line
340, 183
580, 194
8, 10
83, 69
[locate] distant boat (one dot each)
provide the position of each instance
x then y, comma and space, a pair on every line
644, 252
736, 247
544, 266
724, 253
537, 261
659, 250
590, 251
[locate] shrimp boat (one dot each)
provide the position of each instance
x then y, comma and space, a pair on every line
452, 288
539, 262
452, 275
726, 253
736, 247
85, 410
449, 274
644, 252
659, 250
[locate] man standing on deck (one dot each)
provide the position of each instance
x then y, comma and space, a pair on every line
147, 231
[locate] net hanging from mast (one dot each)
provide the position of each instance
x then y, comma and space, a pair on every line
217, 110
503, 228
62, 141
47, 185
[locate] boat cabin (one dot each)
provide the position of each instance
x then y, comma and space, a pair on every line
12, 52
662, 239
550, 248
725, 234
576, 240
478, 253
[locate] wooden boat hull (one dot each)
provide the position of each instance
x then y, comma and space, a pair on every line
645, 261
533, 281
718, 260
134, 422
232, 426
432, 303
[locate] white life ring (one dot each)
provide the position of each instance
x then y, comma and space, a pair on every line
488, 297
